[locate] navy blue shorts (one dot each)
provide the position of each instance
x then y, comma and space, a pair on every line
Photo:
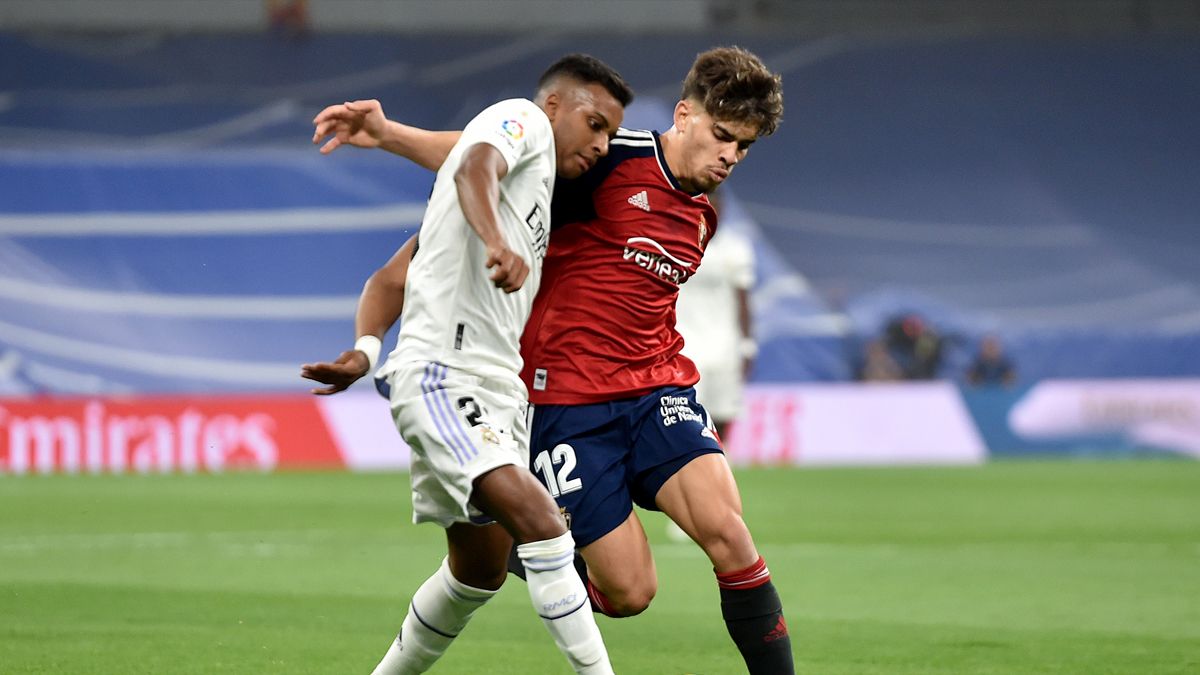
600, 459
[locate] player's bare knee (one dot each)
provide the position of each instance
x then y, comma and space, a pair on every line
632, 602
630, 597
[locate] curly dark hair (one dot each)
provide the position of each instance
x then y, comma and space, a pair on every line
589, 69
733, 84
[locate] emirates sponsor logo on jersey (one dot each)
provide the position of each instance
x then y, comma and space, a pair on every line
536, 220
640, 200
657, 261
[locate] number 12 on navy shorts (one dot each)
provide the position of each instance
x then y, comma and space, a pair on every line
598, 460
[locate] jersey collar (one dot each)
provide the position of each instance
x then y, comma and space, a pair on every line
666, 170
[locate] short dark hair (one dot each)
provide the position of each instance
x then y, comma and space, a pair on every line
733, 84
589, 69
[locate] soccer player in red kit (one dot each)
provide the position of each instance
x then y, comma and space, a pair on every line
616, 421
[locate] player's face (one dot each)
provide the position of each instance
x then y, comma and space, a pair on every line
710, 148
584, 118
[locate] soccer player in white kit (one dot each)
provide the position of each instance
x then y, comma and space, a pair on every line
713, 315
456, 394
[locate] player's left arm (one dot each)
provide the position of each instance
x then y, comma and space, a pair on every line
428, 149
478, 183
379, 307
364, 125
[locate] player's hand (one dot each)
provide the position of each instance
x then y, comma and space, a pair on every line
508, 269
339, 375
359, 123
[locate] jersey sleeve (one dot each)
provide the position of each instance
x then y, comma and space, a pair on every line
517, 128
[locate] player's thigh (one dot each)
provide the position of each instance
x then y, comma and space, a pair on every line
621, 566
580, 454
703, 499
512, 496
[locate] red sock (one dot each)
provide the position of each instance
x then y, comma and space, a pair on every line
750, 577
600, 602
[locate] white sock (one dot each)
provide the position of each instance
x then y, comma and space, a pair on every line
440, 609
561, 600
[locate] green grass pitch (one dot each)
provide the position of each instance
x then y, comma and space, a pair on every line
1015, 567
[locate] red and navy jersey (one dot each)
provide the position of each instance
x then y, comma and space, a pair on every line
626, 236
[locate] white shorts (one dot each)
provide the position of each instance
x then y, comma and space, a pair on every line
459, 427
720, 389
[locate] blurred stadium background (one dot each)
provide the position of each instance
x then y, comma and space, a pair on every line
172, 248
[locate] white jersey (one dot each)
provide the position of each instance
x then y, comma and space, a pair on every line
706, 312
453, 313
707, 317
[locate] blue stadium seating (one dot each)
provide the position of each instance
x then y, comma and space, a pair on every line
166, 226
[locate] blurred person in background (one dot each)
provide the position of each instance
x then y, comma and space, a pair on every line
878, 365
915, 346
991, 367
713, 315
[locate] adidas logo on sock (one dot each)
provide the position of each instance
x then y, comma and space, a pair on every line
641, 201
778, 633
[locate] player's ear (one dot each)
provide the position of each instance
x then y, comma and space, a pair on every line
552, 104
683, 113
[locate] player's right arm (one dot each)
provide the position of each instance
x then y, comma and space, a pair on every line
379, 307
478, 183
363, 124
